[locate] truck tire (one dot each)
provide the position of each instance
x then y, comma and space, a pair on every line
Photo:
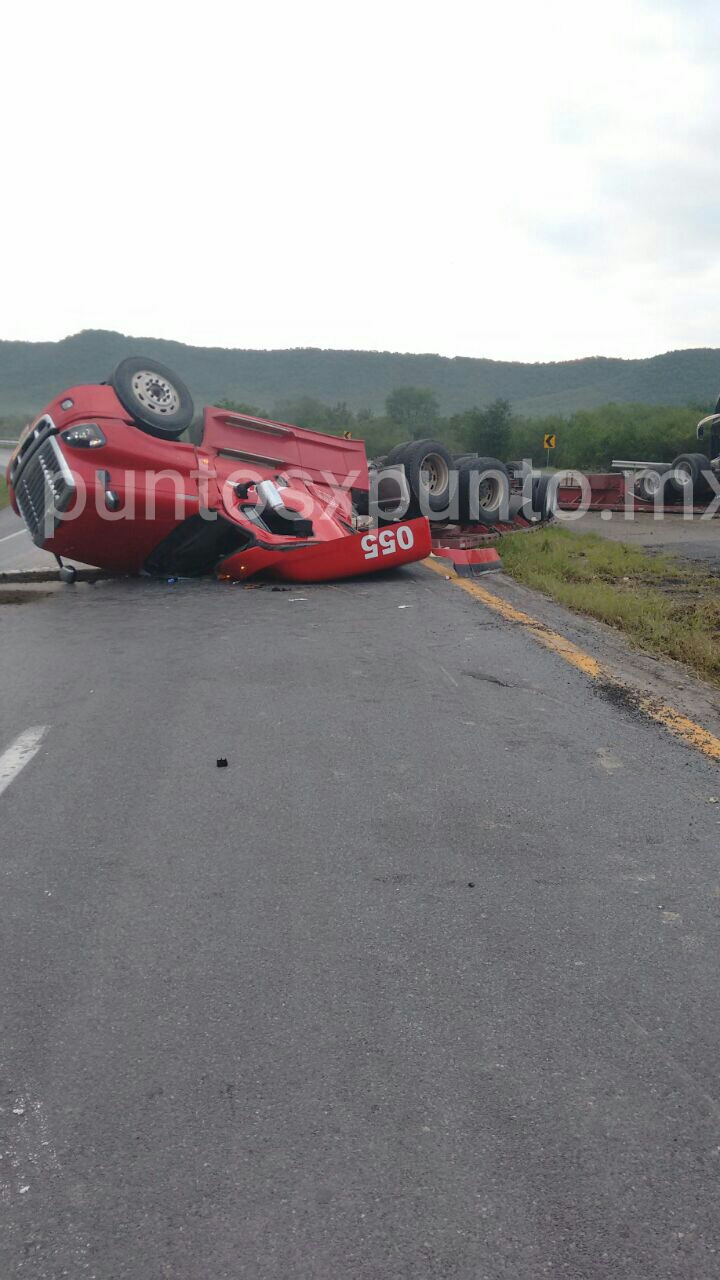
484, 491
650, 485
543, 502
687, 471
395, 455
428, 469
156, 399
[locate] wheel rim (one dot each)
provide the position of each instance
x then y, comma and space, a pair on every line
653, 484
683, 475
435, 473
155, 393
648, 485
489, 493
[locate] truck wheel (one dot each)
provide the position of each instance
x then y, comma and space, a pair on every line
428, 467
156, 399
484, 490
650, 485
687, 472
543, 501
396, 453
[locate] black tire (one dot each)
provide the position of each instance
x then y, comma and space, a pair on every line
651, 485
543, 500
460, 458
686, 470
484, 498
394, 458
156, 399
428, 469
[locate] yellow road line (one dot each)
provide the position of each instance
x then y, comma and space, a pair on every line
541, 633
679, 725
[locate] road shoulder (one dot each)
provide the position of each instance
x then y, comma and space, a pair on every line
659, 678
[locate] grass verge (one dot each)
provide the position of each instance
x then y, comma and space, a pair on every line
661, 604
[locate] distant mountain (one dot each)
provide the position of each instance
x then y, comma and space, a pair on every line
31, 373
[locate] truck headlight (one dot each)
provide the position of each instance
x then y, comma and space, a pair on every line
86, 435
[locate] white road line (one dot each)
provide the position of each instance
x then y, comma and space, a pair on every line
19, 753
8, 536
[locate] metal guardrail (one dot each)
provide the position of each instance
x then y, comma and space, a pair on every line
623, 464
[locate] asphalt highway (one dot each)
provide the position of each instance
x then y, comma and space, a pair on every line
424, 983
16, 547
17, 550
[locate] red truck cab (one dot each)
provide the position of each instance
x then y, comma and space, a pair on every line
102, 477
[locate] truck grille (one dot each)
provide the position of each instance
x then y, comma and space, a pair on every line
44, 489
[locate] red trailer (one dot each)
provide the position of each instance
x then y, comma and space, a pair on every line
637, 487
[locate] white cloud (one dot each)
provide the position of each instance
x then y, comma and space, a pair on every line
529, 182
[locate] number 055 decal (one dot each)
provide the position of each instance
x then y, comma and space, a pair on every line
387, 542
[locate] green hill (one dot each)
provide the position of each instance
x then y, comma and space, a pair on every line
32, 372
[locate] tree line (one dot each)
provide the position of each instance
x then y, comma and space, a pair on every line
588, 438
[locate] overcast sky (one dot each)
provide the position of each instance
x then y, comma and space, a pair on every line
520, 180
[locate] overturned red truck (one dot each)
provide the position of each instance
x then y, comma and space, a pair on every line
102, 477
